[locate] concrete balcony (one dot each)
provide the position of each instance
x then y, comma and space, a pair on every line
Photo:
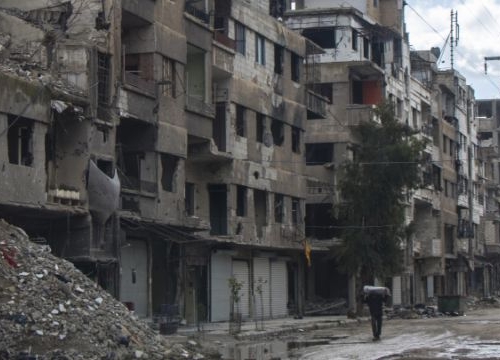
138, 12
148, 87
463, 201
222, 56
492, 249
485, 124
356, 114
487, 150
316, 105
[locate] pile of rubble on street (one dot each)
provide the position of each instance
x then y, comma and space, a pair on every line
50, 310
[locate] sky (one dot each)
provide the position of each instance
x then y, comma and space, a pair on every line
428, 23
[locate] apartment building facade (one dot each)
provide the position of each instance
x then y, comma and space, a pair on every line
165, 147
158, 146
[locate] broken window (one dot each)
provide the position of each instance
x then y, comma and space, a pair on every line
449, 231
20, 140
278, 208
219, 126
240, 121
240, 37
279, 52
319, 221
378, 53
278, 132
295, 211
259, 135
260, 49
189, 199
277, 8
295, 69
322, 36
241, 200
398, 52
295, 139
169, 172
169, 75
318, 154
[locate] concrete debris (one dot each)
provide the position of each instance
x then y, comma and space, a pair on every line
63, 314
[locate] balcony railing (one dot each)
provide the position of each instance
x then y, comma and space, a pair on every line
146, 86
316, 105
356, 114
197, 13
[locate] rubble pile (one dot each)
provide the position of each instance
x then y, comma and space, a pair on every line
50, 310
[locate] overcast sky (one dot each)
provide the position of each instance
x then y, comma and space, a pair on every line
428, 24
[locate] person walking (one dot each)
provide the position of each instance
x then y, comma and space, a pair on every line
375, 297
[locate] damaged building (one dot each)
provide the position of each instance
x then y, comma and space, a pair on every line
165, 147
158, 146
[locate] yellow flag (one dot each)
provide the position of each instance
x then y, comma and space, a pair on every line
307, 252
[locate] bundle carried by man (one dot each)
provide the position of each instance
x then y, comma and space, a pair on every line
376, 290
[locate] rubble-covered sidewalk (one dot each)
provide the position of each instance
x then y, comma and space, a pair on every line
50, 310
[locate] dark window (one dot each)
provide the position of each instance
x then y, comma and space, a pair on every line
259, 136
278, 208
277, 8
106, 167
103, 78
241, 201
278, 59
366, 48
318, 154
296, 61
260, 49
324, 36
218, 209
354, 40
278, 132
295, 211
325, 90
240, 37
20, 141
189, 199
169, 167
240, 121
295, 140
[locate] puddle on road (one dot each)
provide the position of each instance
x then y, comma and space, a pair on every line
273, 350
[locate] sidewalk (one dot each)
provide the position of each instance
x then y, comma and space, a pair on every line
272, 327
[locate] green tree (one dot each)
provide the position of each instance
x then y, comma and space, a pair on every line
373, 188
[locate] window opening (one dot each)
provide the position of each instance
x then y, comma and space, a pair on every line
260, 49
240, 121
189, 198
277, 130
240, 37
259, 136
279, 52
169, 172
318, 154
295, 70
241, 200
278, 208
296, 140
20, 141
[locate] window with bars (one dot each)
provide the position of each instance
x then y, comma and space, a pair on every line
103, 78
240, 37
278, 208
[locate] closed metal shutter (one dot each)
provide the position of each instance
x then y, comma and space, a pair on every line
220, 272
134, 276
279, 289
242, 275
396, 290
261, 272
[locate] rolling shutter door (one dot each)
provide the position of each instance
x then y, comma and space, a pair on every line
220, 272
134, 276
241, 273
279, 289
396, 290
261, 272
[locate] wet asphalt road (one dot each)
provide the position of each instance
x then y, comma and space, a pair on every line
475, 335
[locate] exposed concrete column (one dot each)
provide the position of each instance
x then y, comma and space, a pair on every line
351, 294
300, 286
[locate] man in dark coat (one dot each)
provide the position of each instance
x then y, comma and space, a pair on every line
375, 297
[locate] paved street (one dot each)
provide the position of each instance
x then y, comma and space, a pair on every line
473, 336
